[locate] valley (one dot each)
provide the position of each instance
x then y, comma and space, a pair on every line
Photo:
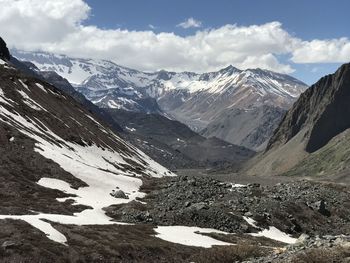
103, 163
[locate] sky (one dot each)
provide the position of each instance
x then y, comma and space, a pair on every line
304, 38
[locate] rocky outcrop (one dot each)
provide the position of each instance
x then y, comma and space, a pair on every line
4, 52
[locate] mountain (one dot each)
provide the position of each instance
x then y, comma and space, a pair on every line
155, 134
59, 163
63, 84
197, 100
251, 128
176, 146
312, 138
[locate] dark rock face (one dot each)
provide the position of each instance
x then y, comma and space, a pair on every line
4, 52
323, 110
335, 117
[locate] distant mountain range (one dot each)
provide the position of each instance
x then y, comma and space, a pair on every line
167, 141
197, 100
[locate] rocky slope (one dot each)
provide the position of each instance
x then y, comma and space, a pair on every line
194, 99
312, 129
294, 207
251, 128
316, 214
56, 157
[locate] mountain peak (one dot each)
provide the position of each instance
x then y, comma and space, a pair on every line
231, 69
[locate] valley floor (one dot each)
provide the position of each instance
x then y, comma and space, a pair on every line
235, 177
279, 220
241, 178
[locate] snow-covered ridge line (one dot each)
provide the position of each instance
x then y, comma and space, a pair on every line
108, 75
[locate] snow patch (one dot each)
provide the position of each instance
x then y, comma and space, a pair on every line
238, 185
130, 129
189, 236
24, 85
272, 232
29, 102
41, 87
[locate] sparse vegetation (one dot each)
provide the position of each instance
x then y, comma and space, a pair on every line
322, 255
228, 254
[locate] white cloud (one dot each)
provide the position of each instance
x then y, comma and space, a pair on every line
190, 22
323, 51
57, 26
152, 26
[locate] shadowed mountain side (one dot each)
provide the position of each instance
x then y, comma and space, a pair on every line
171, 136
308, 133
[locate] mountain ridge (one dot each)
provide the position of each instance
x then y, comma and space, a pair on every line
191, 98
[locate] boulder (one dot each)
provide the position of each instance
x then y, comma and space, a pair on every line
119, 194
8, 245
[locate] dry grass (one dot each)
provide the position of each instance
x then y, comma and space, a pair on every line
329, 255
228, 254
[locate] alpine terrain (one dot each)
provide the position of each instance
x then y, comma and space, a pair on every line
167, 141
104, 163
221, 104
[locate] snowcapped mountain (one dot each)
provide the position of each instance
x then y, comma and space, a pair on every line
194, 99
58, 162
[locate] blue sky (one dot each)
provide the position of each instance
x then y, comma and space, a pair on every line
303, 38
306, 19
